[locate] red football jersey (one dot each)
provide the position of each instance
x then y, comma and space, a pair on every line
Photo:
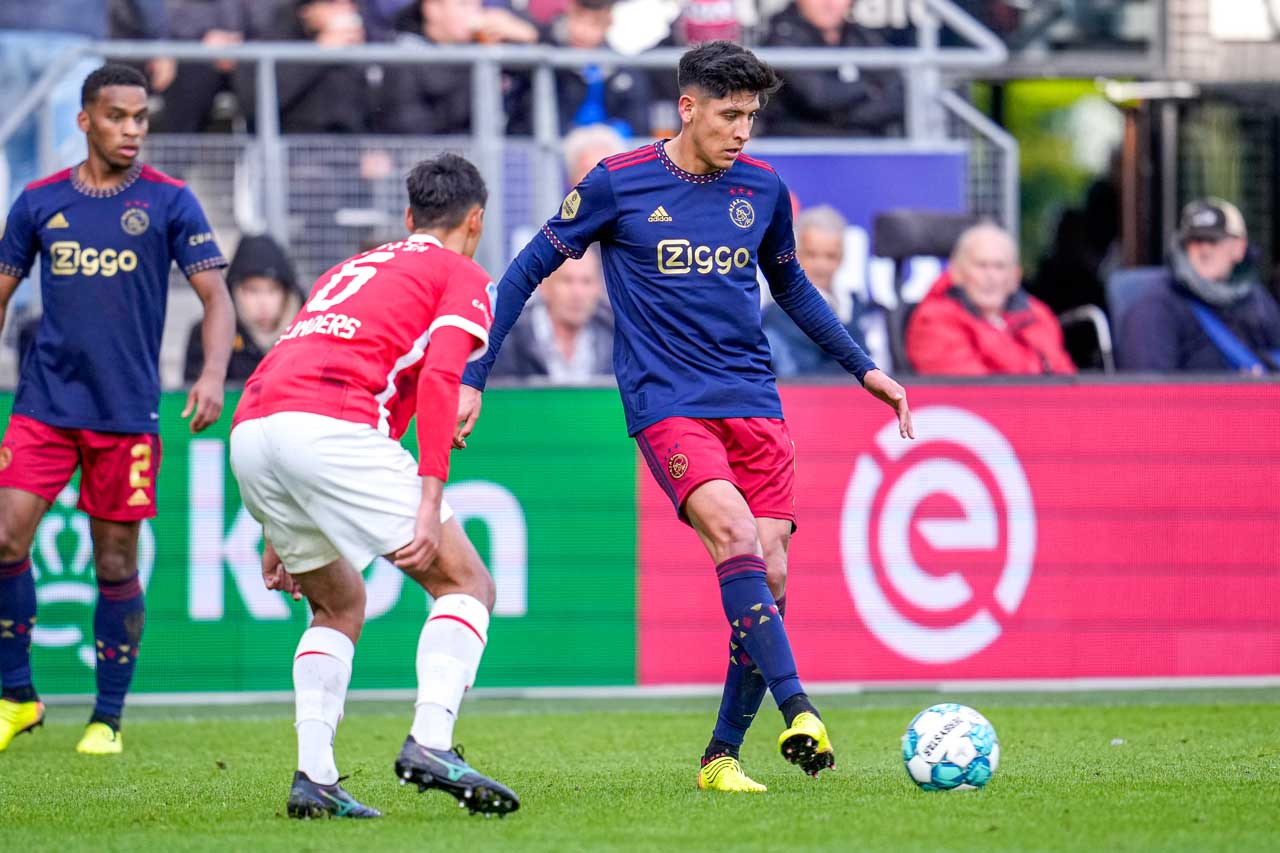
356, 348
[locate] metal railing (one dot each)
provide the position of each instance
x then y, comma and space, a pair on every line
929, 107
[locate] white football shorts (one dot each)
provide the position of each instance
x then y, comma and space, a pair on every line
323, 488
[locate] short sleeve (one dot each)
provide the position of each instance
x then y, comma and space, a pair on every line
467, 302
586, 215
778, 246
18, 246
191, 241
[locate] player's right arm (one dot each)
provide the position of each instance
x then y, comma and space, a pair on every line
587, 215
18, 249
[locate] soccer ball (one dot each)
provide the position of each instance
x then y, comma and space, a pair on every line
950, 747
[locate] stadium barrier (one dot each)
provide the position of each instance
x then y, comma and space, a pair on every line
1062, 531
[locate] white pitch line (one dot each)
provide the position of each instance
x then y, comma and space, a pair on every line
677, 691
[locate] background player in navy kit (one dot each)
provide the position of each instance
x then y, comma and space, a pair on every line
107, 232
683, 225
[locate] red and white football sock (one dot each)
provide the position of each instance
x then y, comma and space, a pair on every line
321, 673
449, 651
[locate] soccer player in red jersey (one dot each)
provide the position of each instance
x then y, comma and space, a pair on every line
106, 232
383, 336
683, 225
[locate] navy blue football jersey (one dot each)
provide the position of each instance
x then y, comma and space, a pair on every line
104, 282
680, 253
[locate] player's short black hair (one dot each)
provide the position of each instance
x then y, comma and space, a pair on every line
442, 190
719, 68
111, 74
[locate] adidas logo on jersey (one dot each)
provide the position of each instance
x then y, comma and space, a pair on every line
58, 221
660, 215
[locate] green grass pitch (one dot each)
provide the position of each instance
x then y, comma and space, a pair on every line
1196, 771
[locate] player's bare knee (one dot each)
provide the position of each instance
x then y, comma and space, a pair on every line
115, 562
776, 574
465, 577
735, 535
14, 543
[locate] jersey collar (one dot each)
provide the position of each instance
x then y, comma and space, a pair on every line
425, 238
130, 177
676, 171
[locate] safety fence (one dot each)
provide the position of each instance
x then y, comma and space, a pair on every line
1031, 531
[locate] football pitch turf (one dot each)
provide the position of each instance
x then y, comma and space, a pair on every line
1175, 770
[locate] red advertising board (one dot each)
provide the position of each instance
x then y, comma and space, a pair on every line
1028, 532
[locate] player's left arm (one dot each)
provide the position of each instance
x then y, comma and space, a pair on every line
217, 334
796, 295
192, 245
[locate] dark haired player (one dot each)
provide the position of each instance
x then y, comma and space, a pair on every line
316, 449
683, 225
106, 232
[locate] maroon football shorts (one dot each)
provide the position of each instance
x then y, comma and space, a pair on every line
755, 454
117, 470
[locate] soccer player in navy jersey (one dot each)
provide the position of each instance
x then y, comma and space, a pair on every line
683, 225
106, 232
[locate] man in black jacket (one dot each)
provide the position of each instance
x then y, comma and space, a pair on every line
1211, 314
844, 102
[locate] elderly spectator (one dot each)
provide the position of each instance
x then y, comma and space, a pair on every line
586, 146
1211, 313
831, 103
436, 99
820, 251
266, 296
567, 334
596, 94
978, 321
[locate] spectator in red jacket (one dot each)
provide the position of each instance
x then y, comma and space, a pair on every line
978, 321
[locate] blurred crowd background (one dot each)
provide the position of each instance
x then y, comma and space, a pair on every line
1143, 239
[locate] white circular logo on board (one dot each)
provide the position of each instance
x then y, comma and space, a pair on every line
962, 490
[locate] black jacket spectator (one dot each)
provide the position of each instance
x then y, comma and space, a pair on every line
435, 100
831, 103
259, 264
316, 98
526, 354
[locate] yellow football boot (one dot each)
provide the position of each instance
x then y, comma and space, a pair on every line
806, 744
100, 739
18, 717
725, 774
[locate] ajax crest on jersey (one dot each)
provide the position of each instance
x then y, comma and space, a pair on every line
950, 747
134, 221
742, 213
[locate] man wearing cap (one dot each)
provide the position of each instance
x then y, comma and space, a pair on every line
1213, 314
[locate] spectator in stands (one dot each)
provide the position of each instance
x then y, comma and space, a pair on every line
977, 320
1211, 313
831, 103
820, 251
586, 146
266, 296
189, 100
700, 21
317, 98
436, 99
596, 94
33, 36
566, 334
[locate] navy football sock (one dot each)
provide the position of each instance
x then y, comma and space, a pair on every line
117, 627
757, 625
17, 621
744, 689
